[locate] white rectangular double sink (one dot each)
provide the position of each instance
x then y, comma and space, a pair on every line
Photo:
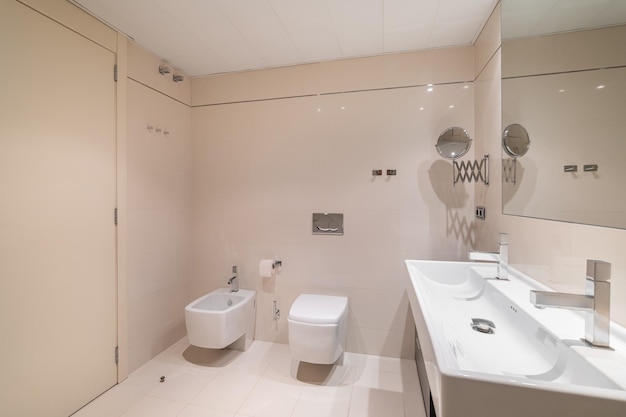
489, 352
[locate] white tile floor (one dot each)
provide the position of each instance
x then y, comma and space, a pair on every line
261, 382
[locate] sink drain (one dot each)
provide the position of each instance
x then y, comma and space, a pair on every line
483, 325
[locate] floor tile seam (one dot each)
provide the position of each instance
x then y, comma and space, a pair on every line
246, 398
202, 386
350, 400
159, 397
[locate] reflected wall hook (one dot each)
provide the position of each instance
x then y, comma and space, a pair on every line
163, 69
178, 78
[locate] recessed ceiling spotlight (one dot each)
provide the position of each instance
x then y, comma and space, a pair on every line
429, 89
451, 106
600, 87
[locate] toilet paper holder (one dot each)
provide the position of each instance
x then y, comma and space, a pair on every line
276, 264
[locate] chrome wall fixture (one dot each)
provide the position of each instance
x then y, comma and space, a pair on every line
471, 170
453, 143
509, 170
164, 70
586, 168
515, 142
158, 130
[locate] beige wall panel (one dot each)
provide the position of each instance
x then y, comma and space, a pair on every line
488, 41
255, 85
435, 66
388, 71
597, 48
75, 18
57, 236
262, 168
487, 110
159, 221
143, 67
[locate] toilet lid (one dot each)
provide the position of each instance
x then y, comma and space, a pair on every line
318, 309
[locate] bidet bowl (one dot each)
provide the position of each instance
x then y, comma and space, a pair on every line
220, 318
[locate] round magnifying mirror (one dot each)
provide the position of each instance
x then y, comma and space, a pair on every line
515, 140
453, 143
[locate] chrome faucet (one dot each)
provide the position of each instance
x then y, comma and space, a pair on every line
596, 302
501, 257
233, 282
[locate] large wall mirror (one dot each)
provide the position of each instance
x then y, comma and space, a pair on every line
564, 81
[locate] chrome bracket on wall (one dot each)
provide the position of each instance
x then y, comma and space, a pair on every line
471, 170
509, 170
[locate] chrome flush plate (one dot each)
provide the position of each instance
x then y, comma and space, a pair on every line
327, 224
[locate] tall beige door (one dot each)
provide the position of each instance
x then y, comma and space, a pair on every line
58, 325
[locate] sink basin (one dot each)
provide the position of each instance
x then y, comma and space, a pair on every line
488, 352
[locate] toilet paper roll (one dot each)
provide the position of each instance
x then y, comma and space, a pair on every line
266, 268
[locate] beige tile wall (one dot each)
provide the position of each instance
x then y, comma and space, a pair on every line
260, 169
159, 207
487, 124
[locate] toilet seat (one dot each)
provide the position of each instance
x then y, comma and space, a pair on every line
318, 309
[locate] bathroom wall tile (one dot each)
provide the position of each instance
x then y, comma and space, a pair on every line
558, 258
444, 65
488, 103
607, 245
262, 168
393, 70
576, 50
159, 219
391, 343
255, 85
164, 310
366, 309
143, 66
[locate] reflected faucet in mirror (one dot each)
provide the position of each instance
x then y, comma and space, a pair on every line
501, 257
596, 302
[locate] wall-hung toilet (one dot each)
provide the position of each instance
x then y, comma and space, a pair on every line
318, 325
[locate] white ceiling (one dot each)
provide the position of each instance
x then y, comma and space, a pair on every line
203, 37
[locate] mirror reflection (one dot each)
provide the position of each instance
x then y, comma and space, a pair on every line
453, 143
564, 80
515, 140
